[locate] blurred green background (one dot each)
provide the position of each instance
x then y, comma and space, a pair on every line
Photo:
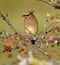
16, 8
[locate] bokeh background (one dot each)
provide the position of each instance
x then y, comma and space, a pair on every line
15, 10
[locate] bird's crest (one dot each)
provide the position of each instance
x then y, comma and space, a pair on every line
28, 13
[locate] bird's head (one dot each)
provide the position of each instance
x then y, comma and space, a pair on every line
28, 13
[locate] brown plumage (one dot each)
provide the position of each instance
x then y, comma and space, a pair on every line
30, 23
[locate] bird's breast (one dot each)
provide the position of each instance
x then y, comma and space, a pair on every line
31, 25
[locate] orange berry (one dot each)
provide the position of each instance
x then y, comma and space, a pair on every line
52, 18
9, 55
24, 44
22, 49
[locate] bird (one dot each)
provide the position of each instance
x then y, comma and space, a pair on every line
30, 23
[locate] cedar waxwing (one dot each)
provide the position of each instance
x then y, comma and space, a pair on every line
30, 23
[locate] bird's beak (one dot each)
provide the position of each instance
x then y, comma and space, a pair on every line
23, 15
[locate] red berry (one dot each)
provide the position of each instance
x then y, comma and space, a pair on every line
19, 51
22, 49
8, 48
24, 44
51, 40
25, 54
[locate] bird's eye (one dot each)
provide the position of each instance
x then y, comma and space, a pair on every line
28, 15
25, 15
